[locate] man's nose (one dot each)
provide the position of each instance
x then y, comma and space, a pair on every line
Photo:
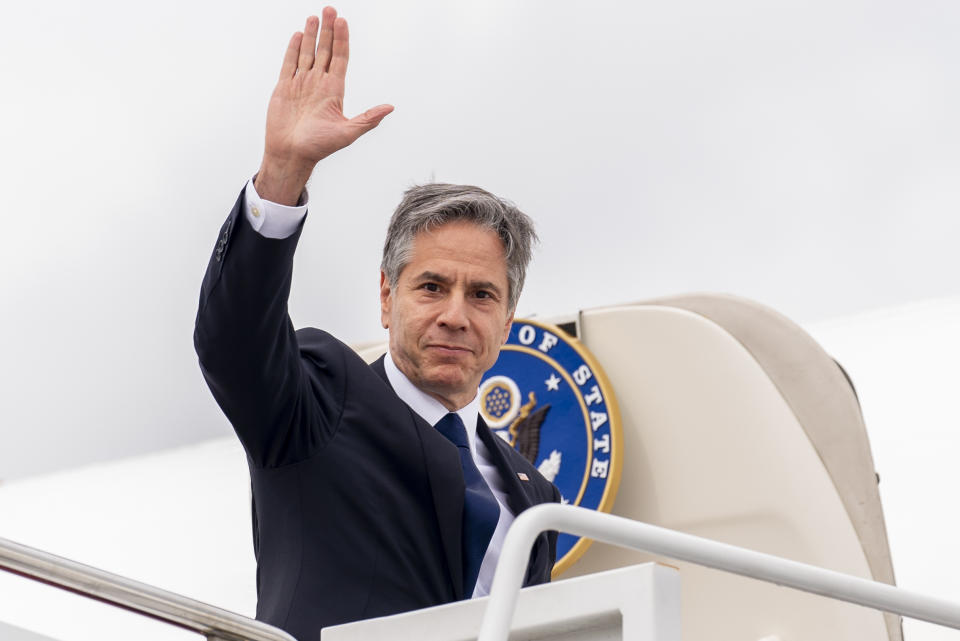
454, 312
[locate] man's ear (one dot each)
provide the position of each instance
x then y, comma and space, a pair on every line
385, 301
506, 327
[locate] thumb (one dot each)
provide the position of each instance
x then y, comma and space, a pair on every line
370, 118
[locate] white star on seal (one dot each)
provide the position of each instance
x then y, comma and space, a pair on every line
553, 383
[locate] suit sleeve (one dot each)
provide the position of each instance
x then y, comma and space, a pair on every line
249, 353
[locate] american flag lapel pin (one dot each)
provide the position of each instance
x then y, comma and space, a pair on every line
523, 476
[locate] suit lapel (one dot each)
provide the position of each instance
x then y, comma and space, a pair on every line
446, 486
517, 498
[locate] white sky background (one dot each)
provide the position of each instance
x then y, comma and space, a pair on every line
804, 154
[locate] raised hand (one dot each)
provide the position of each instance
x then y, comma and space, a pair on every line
305, 121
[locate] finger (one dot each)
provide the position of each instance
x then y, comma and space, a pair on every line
370, 118
308, 44
326, 38
340, 49
289, 66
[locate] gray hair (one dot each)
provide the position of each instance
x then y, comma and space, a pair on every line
426, 207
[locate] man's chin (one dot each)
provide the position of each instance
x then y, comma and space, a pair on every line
448, 380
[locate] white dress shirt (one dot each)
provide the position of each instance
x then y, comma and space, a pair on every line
273, 220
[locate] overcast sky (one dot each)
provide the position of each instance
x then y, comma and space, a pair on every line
803, 154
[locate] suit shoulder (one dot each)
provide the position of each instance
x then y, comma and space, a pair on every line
317, 342
311, 337
321, 346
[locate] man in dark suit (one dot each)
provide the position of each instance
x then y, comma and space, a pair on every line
377, 489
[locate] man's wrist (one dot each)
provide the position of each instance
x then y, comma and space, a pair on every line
270, 219
282, 181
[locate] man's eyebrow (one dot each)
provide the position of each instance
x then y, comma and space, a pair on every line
432, 276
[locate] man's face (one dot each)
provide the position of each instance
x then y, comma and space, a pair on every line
448, 314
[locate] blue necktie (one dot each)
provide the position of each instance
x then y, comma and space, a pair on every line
480, 509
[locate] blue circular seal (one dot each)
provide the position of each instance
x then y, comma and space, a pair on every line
548, 397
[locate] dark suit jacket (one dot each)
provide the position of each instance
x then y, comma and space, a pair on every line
358, 500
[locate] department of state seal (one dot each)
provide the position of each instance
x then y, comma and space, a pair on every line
548, 397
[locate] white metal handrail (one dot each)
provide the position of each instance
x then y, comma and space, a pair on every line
685, 547
178, 610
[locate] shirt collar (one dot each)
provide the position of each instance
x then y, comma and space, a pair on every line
427, 407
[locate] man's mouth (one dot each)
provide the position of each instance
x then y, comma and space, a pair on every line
449, 349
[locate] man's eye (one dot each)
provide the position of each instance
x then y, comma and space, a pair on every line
483, 294
431, 287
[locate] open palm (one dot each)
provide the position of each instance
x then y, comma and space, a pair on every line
305, 120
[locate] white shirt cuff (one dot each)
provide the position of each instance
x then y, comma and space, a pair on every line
271, 219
